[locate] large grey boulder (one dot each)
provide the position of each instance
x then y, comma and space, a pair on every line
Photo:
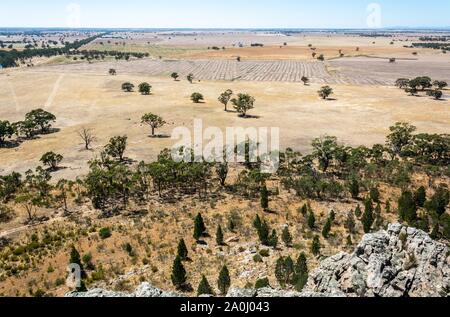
144, 290
397, 262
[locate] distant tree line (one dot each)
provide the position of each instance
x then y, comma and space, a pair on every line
13, 57
436, 46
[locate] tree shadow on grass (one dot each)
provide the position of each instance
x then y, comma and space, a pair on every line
56, 169
250, 117
159, 136
137, 213
10, 144
50, 131
270, 211
186, 288
128, 161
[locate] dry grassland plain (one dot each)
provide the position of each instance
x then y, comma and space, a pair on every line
358, 115
83, 95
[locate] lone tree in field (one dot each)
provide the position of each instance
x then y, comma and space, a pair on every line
154, 121
197, 97
204, 288
178, 273
128, 87
112, 72
243, 103
116, 147
145, 88
51, 160
175, 76
190, 78
325, 92
199, 227
305, 80
87, 136
224, 281
182, 250
225, 98
6, 131
41, 118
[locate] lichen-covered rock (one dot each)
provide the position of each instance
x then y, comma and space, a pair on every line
241, 292
144, 290
394, 263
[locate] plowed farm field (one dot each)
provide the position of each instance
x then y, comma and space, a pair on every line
353, 71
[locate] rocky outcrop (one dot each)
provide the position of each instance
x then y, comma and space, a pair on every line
144, 290
397, 262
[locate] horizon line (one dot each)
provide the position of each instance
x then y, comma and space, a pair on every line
414, 28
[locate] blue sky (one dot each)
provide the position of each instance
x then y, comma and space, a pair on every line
224, 13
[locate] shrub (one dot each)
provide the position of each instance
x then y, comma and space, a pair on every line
105, 233
257, 258
262, 283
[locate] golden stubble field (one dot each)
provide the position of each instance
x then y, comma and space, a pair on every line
357, 115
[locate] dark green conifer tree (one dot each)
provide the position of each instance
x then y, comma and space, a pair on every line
178, 273
224, 281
